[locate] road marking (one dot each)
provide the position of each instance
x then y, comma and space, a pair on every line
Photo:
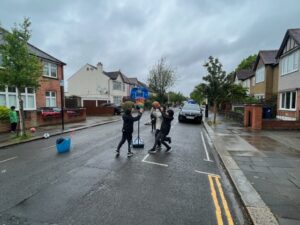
5, 160
52, 146
225, 205
158, 164
204, 144
210, 174
215, 200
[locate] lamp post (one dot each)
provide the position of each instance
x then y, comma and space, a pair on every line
206, 107
62, 103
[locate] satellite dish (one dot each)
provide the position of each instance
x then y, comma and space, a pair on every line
101, 90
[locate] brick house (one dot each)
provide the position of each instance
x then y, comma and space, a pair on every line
289, 76
38, 103
264, 83
48, 94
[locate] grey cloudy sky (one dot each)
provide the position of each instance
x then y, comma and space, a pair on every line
132, 35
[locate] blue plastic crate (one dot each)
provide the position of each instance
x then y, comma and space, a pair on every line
63, 145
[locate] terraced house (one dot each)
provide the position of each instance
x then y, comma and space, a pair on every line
289, 76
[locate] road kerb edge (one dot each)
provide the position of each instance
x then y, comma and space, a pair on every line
259, 212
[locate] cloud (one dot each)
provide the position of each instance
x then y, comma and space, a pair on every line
133, 35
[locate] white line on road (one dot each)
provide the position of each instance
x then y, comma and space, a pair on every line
5, 160
206, 152
212, 174
159, 164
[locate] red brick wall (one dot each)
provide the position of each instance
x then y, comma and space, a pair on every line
34, 119
4, 126
280, 125
256, 116
49, 84
99, 111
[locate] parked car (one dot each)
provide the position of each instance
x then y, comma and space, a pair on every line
117, 109
190, 112
50, 112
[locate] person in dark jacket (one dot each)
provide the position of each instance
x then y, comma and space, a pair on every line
164, 131
127, 130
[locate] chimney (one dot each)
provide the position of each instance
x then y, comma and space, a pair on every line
100, 66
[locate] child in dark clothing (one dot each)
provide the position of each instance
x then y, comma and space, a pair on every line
164, 131
127, 130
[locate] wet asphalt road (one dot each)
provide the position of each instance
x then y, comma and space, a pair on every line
90, 186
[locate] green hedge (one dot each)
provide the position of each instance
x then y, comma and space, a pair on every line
4, 113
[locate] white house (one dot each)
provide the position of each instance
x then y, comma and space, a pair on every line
95, 86
90, 83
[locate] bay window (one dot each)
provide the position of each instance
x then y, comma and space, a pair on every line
9, 97
288, 100
290, 63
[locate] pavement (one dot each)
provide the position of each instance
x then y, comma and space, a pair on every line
8, 139
264, 166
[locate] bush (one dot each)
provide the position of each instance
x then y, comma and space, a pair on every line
4, 113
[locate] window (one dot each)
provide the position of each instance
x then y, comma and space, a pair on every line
50, 99
290, 63
117, 85
259, 96
123, 87
253, 81
50, 70
9, 97
12, 97
260, 75
28, 97
117, 100
288, 100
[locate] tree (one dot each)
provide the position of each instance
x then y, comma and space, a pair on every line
20, 68
216, 86
161, 77
198, 94
246, 63
176, 98
219, 87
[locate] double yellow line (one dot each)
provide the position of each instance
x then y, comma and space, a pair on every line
216, 180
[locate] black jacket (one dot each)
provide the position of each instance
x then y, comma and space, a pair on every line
166, 123
128, 121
